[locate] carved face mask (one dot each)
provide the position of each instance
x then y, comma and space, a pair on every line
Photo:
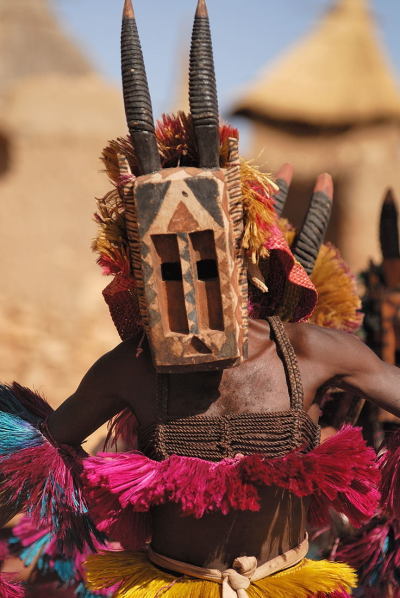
185, 224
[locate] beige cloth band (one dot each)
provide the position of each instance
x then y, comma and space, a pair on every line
236, 580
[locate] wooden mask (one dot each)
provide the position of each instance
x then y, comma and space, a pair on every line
185, 224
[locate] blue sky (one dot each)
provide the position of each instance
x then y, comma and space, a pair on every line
247, 34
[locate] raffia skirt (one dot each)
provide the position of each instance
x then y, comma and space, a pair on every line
132, 575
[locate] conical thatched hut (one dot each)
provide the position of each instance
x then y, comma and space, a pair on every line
57, 114
332, 104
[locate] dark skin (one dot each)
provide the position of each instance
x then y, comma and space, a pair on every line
121, 378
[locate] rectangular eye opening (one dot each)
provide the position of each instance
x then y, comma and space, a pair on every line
208, 288
171, 271
170, 292
207, 269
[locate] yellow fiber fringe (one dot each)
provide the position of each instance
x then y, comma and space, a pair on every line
259, 212
111, 240
141, 579
338, 302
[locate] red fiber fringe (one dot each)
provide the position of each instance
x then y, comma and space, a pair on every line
389, 463
123, 427
9, 589
375, 553
340, 472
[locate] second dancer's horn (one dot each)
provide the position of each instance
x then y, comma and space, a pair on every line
311, 235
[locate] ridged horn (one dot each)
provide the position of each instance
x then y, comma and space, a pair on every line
388, 227
203, 98
311, 235
283, 179
138, 109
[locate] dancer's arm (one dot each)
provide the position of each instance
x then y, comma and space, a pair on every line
102, 393
342, 360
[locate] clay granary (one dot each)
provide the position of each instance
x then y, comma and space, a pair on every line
56, 116
332, 104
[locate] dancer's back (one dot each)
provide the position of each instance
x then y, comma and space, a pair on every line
247, 409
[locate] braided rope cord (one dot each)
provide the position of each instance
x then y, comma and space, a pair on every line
289, 359
272, 434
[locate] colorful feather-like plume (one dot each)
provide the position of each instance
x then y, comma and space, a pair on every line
39, 477
375, 553
41, 550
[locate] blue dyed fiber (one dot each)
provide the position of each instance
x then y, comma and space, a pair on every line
9, 403
65, 570
30, 553
17, 434
82, 592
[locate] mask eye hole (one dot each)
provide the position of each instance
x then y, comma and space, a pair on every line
207, 270
170, 287
171, 271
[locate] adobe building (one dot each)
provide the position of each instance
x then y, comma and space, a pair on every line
332, 104
56, 116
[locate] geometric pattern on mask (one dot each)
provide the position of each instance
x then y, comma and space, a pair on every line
177, 219
188, 282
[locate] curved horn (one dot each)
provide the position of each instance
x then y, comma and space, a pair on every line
138, 110
283, 179
388, 227
203, 99
311, 235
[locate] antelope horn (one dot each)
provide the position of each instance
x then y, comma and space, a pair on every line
283, 179
388, 227
138, 110
203, 98
311, 235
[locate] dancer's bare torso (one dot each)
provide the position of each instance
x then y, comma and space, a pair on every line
121, 378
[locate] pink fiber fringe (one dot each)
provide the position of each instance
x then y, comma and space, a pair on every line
389, 463
123, 525
341, 471
375, 553
199, 486
8, 589
41, 472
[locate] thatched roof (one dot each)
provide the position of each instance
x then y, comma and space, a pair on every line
32, 43
338, 75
